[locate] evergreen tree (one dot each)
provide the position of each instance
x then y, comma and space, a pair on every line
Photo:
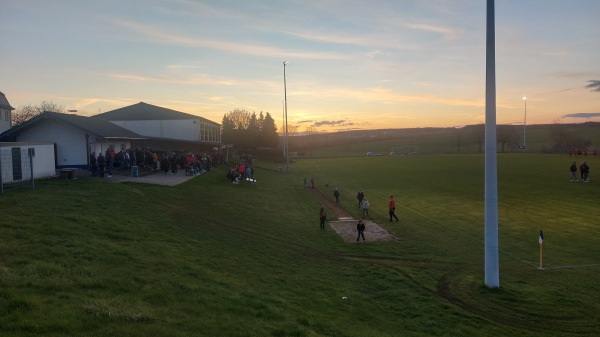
246, 131
269, 136
227, 130
253, 132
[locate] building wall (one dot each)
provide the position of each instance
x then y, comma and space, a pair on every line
5, 119
43, 161
117, 145
187, 129
70, 141
172, 129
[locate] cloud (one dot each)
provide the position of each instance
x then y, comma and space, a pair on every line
173, 79
585, 115
161, 36
594, 85
341, 122
449, 33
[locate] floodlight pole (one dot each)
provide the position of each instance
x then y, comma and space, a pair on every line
283, 121
287, 141
525, 124
492, 268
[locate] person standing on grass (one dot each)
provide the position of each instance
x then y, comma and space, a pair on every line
360, 228
585, 172
304, 182
322, 217
312, 182
393, 208
101, 160
573, 170
93, 164
365, 206
360, 197
336, 194
110, 159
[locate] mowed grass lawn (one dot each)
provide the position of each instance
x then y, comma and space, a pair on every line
205, 258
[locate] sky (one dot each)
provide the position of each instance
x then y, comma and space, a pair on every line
352, 65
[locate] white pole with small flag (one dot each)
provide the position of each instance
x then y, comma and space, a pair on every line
541, 241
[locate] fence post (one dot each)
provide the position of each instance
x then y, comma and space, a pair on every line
31, 152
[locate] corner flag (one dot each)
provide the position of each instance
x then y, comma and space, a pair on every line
541, 240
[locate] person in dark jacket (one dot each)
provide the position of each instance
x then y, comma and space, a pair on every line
336, 194
585, 172
360, 228
322, 217
93, 164
101, 161
573, 170
360, 197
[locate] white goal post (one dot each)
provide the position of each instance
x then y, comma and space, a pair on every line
402, 150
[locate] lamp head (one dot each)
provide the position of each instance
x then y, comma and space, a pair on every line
285, 62
524, 98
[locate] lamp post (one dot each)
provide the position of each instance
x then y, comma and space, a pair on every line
283, 121
525, 124
287, 143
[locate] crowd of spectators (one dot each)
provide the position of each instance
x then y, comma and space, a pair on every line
242, 171
193, 163
582, 153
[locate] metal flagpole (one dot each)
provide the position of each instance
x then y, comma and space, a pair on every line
541, 254
541, 241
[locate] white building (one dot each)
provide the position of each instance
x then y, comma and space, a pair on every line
22, 161
5, 113
172, 128
74, 137
136, 126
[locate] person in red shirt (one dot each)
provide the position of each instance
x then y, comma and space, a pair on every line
393, 208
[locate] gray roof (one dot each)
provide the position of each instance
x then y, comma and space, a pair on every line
4, 102
145, 111
96, 126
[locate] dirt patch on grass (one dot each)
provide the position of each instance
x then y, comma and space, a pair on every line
346, 229
345, 225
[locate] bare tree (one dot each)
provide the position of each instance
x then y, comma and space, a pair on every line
27, 112
292, 129
505, 135
240, 119
478, 133
459, 135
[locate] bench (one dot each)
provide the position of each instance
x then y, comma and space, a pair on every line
66, 173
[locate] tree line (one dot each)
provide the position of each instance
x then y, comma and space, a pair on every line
245, 130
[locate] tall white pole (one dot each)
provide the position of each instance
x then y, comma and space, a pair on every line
525, 124
492, 266
283, 122
287, 141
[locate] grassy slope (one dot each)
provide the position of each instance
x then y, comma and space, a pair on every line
92, 258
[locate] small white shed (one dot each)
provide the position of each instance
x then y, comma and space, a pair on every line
20, 160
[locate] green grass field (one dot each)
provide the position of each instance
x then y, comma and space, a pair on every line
205, 258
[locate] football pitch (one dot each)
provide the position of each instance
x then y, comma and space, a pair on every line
206, 258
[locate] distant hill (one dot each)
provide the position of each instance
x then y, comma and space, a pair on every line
542, 138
